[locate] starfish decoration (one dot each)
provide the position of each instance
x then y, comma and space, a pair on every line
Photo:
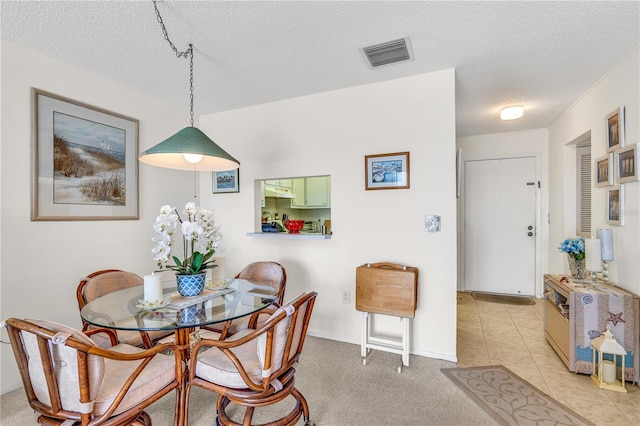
615, 318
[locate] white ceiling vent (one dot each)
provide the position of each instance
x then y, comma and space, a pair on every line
388, 52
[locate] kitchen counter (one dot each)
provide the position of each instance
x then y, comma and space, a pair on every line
302, 235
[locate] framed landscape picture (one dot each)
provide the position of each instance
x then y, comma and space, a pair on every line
615, 205
615, 129
387, 171
627, 164
84, 162
604, 170
226, 181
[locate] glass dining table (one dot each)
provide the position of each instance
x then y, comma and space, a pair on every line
126, 310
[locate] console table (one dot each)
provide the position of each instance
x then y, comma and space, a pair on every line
575, 313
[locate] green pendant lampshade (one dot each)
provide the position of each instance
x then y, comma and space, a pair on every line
170, 153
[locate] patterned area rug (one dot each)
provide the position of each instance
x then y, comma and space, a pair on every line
503, 298
511, 400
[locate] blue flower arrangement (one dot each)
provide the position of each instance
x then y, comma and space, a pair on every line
574, 247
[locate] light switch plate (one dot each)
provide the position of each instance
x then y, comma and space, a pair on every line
432, 223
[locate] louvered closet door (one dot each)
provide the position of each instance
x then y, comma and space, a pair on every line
500, 201
583, 218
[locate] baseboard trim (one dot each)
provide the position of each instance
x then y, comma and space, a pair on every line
10, 388
316, 333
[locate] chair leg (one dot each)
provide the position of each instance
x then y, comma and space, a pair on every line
185, 405
221, 415
143, 419
223, 419
301, 409
248, 415
305, 406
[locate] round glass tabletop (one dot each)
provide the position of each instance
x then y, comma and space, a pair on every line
126, 309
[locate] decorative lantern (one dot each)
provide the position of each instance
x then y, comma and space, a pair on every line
605, 370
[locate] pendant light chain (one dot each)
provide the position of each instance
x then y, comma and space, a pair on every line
191, 79
187, 53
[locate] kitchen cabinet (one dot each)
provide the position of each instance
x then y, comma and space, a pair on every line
298, 188
311, 192
283, 183
278, 188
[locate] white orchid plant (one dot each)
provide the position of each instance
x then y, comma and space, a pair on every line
200, 237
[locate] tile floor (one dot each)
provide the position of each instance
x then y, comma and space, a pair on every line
511, 335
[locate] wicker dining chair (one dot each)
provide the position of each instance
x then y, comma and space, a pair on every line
263, 272
256, 367
68, 378
107, 281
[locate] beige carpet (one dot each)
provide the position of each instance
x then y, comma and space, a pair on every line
503, 298
341, 391
511, 400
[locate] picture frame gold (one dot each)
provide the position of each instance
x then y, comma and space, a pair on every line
84, 161
387, 171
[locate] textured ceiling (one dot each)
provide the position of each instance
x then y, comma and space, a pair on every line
539, 53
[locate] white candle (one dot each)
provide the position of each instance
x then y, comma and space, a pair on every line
152, 288
592, 253
608, 372
606, 243
217, 273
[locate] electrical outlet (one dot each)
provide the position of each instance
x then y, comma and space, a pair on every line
346, 297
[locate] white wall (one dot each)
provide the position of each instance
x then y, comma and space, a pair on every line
509, 144
620, 87
42, 262
330, 133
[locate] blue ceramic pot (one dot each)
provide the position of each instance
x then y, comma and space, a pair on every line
191, 285
191, 315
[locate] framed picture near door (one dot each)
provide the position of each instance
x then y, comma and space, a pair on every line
615, 129
615, 205
627, 164
604, 170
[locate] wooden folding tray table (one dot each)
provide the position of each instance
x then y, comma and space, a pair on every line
389, 289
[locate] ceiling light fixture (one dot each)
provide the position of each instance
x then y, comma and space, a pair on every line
190, 148
511, 112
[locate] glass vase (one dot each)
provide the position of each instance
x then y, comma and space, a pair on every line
577, 267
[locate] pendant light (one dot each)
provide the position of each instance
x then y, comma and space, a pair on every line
189, 149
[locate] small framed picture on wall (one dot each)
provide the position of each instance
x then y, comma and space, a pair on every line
604, 170
228, 181
615, 129
615, 205
387, 171
627, 164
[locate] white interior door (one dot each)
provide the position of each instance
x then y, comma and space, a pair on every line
500, 221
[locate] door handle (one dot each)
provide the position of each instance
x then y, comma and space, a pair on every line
530, 234
530, 228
